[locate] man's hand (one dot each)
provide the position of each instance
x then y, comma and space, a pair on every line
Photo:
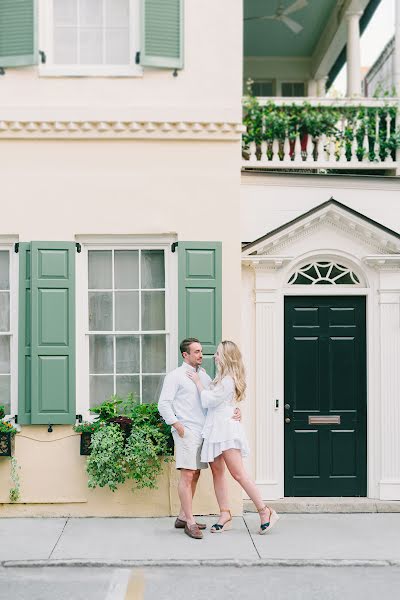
237, 415
179, 428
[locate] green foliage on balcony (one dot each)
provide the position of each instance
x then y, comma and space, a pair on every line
270, 121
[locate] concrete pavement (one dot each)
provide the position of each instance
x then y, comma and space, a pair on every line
297, 539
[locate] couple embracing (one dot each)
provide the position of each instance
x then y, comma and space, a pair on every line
207, 428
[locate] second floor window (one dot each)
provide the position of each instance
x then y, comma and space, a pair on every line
91, 32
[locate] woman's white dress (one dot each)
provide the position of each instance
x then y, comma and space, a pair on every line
220, 431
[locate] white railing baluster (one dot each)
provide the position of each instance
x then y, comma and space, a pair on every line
331, 149
275, 151
264, 152
309, 149
388, 157
286, 150
252, 152
377, 142
297, 150
320, 150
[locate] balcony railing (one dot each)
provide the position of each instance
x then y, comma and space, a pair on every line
321, 133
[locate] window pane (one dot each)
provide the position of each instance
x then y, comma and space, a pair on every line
65, 12
128, 384
151, 388
153, 311
298, 89
101, 354
4, 311
153, 354
91, 13
101, 388
100, 311
5, 392
4, 271
152, 265
65, 46
91, 47
4, 356
117, 47
128, 354
126, 269
100, 269
117, 13
126, 311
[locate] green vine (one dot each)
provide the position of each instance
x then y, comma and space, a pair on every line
16, 489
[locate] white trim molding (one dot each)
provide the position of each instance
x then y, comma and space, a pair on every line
332, 234
110, 129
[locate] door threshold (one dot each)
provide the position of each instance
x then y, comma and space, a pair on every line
328, 505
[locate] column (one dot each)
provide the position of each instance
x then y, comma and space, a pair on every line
389, 485
353, 54
321, 86
312, 87
396, 56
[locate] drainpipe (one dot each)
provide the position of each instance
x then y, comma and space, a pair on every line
353, 54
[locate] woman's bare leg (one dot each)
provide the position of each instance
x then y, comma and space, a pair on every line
220, 488
234, 462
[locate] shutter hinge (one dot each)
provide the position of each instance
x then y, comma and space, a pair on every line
16, 419
16, 247
2, 71
79, 418
78, 247
137, 58
42, 55
174, 246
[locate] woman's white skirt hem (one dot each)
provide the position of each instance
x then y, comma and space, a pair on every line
211, 450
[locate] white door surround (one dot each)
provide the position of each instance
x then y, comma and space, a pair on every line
329, 232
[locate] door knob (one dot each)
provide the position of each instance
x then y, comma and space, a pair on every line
287, 420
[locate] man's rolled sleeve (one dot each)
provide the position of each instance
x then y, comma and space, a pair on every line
166, 399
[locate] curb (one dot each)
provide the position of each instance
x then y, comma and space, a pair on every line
274, 562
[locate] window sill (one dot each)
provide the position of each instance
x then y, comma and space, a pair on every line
90, 71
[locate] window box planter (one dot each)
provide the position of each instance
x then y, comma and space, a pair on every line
7, 443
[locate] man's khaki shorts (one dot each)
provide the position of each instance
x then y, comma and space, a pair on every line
188, 450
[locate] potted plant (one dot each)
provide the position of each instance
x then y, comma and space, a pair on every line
7, 435
132, 445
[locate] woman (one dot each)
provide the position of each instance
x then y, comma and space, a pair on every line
224, 438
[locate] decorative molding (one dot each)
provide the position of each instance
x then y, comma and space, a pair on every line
270, 263
383, 262
54, 129
369, 236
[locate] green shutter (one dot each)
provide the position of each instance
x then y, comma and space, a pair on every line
162, 33
24, 334
18, 33
200, 297
53, 332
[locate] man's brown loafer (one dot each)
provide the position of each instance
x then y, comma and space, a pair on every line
179, 524
193, 531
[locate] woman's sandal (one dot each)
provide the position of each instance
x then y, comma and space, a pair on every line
273, 519
218, 527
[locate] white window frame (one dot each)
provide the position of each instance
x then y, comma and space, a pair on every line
82, 323
13, 331
49, 69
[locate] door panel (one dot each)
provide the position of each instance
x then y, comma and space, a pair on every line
325, 378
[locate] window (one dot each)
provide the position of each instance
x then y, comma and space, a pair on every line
291, 89
324, 273
86, 37
262, 88
126, 323
5, 331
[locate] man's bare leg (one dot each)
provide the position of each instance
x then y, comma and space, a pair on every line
195, 479
185, 491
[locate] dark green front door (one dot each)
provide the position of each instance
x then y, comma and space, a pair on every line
325, 397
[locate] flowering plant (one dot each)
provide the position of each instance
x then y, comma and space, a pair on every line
6, 426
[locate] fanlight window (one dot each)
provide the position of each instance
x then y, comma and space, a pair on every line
324, 273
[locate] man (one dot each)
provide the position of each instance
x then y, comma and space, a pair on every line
180, 406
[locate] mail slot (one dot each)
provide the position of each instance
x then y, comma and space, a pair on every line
324, 420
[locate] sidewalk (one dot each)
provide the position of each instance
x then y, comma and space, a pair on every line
298, 539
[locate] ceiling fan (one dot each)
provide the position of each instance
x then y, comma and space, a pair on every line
282, 13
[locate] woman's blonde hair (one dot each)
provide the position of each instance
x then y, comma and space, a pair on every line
230, 362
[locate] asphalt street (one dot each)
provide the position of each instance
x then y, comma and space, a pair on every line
200, 583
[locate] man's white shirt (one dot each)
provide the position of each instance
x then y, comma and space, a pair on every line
180, 400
